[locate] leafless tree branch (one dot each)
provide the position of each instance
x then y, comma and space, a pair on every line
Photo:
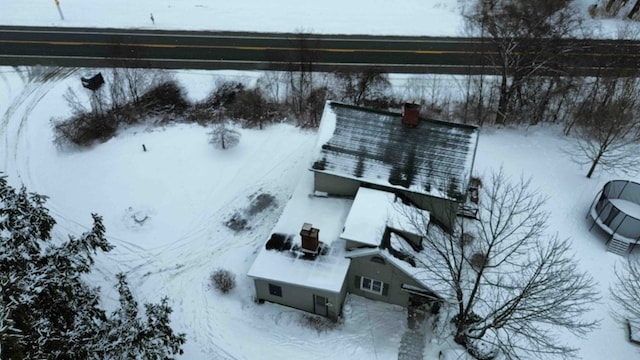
513, 286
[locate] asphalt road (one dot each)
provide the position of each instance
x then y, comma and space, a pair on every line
89, 47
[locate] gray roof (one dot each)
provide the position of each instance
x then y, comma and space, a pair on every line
435, 157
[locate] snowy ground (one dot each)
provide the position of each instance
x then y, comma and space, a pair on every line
164, 209
376, 17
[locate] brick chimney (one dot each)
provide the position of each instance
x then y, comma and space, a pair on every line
410, 114
310, 240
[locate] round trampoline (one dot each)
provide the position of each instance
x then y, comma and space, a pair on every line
616, 210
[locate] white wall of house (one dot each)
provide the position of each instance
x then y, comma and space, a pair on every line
317, 301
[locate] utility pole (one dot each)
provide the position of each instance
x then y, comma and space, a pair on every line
59, 9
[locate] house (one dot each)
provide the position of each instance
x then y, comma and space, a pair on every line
293, 276
373, 212
357, 219
429, 162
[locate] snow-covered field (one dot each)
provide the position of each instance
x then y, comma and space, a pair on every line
164, 209
377, 17
183, 190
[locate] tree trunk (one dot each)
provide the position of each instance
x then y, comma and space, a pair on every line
503, 102
594, 164
609, 4
460, 338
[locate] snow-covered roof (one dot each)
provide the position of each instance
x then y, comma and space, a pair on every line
434, 157
327, 271
373, 210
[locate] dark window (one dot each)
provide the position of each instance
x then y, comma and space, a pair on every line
377, 259
371, 285
275, 290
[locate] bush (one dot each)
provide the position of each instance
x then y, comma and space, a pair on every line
84, 130
224, 136
593, 10
103, 121
224, 94
318, 323
223, 280
164, 98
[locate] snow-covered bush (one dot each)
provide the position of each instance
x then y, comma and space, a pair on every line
318, 323
223, 136
97, 117
223, 280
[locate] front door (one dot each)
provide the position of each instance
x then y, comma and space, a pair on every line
320, 305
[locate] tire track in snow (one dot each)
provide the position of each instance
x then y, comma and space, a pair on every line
208, 317
40, 85
14, 125
140, 262
199, 264
183, 247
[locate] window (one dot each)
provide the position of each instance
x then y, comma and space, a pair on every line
371, 285
275, 290
377, 259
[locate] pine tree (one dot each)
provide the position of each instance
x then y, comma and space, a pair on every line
47, 311
127, 336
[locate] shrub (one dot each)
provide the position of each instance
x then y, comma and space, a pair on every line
84, 130
318, 323
224, 136
166, 97
224, 94
237, 222
223, 280
593, 10
102, 122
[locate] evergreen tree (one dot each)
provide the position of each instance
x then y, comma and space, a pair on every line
126, 336
47, 311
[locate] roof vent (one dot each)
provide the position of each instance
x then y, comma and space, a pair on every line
310, 239
410, 114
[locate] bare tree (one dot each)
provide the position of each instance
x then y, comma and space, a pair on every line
609, 6
525, 37
223, 136
357, 87
77, 101
131, 75
510, 286
315, 104
608, 124
300, 74
270, 84
613, 7
626, 293
634, 10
